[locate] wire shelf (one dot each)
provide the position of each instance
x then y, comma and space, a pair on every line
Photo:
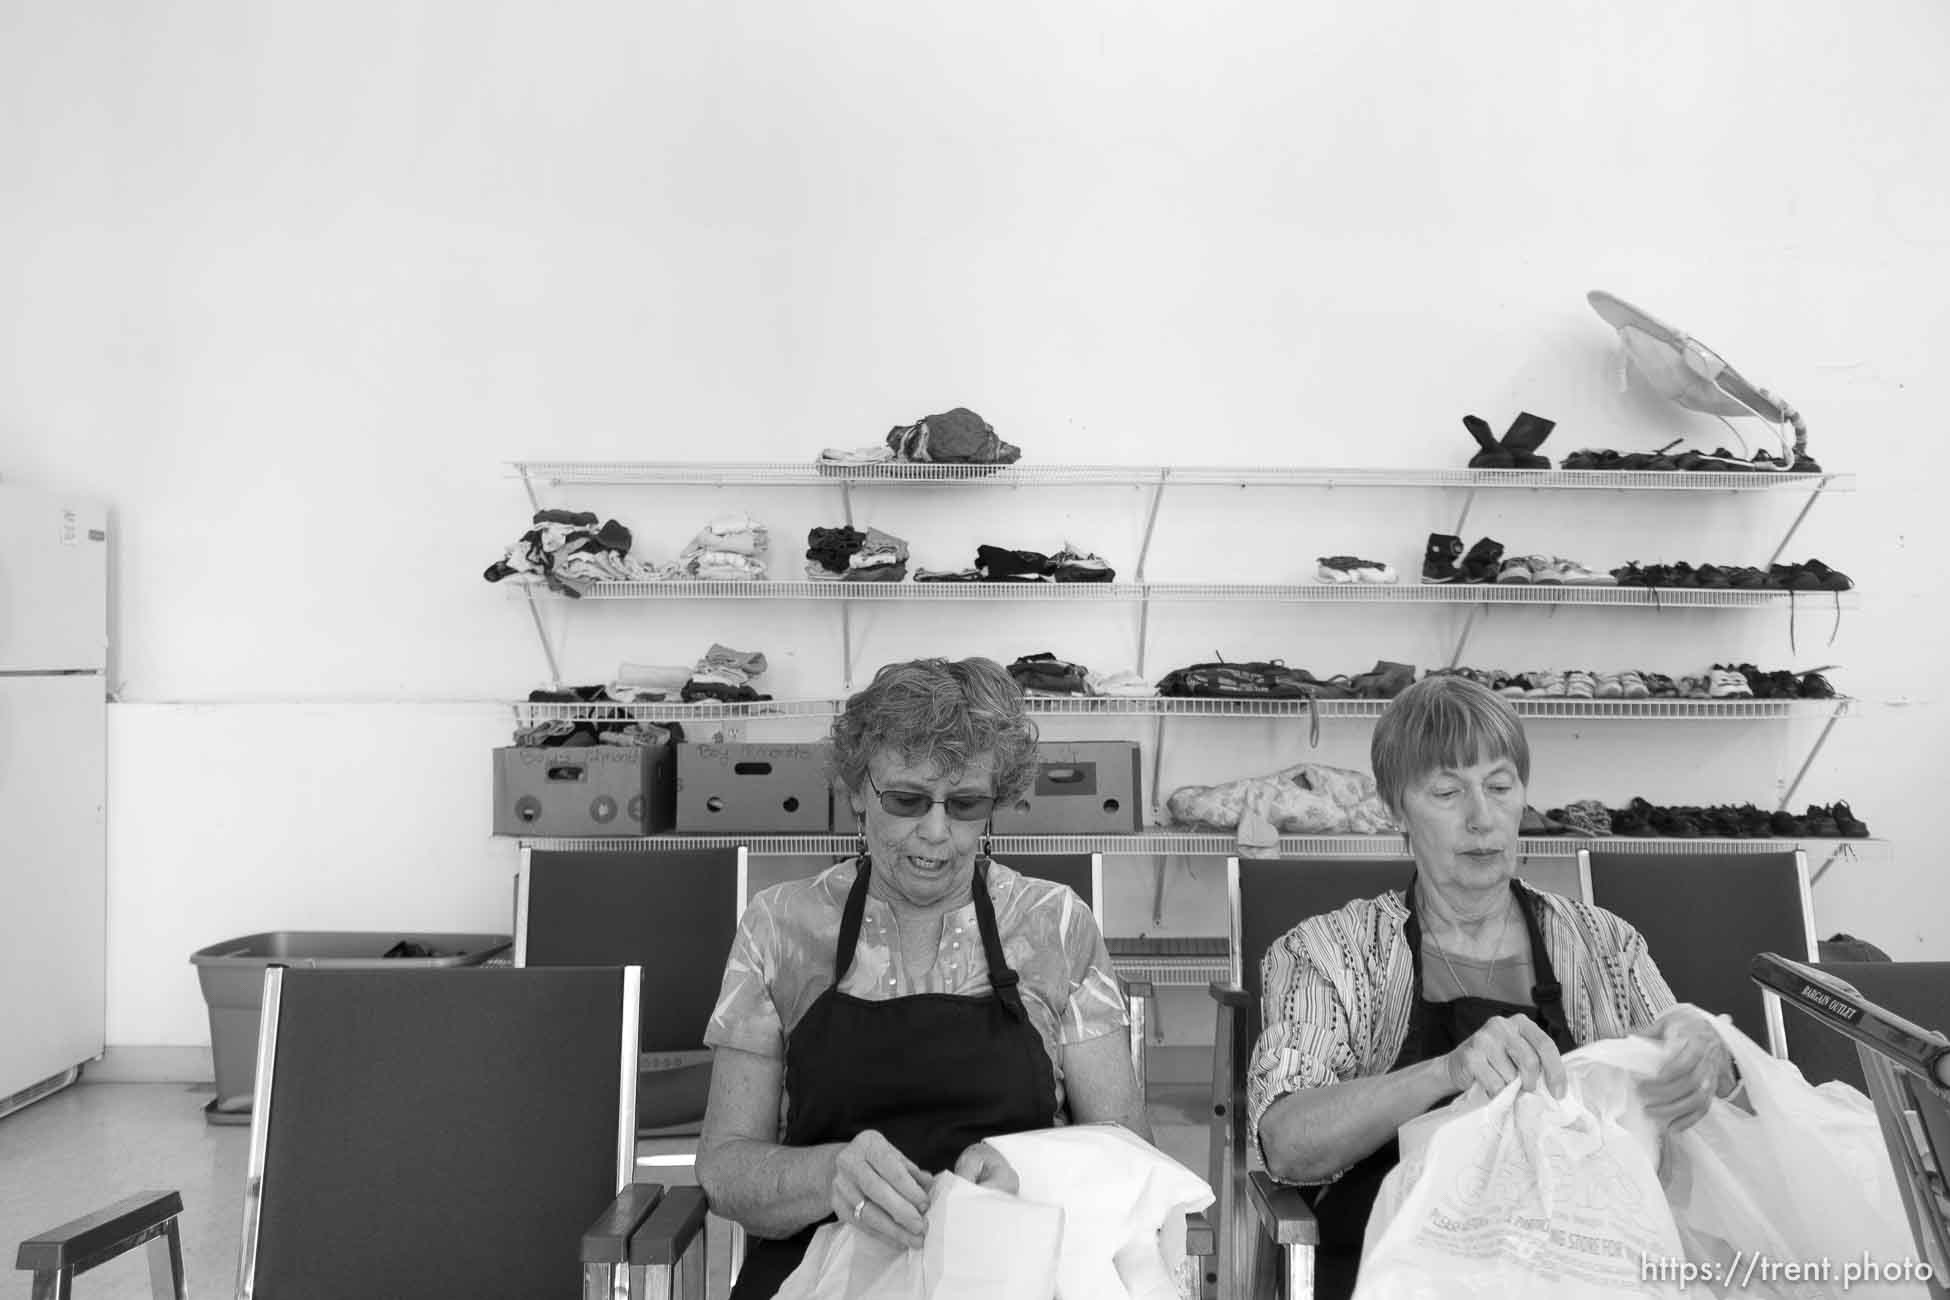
1093, 706
1196, 844
1169, 973
812, 474
1551, 594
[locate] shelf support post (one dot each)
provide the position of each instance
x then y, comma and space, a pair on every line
1157, 764
1469, 499
1795, 527
1841, 707
528, 483
1468, 623
1151, 521
1144, 626
846, 641
548, 647
846, 501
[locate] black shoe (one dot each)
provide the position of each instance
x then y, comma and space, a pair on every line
1481, 562
1439, 561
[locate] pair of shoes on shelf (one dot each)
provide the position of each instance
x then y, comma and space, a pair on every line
1517, 449
1444, 561
1723, 683
1809, 575
1348, 568
1585, 817
1551, 569
1626, 685
1836, 820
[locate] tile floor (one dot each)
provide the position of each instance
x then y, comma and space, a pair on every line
95, 1143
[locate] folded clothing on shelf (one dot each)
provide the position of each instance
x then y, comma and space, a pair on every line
1252, 680
1123, 684
731, 548
1072, 565
567, 544
1305, 799
836, 459
958, 437
949, 575
725, 674
1641, 819
1000, 564
849, 555
562, 733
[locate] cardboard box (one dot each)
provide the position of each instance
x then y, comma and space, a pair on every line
591, 790
746, 788
1085, 787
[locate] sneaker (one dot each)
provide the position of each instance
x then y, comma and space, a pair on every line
1480, 565
1336, 568
1580, 685
1585, 817
1632, 686
1611, 686
1846, 821
1516, 569
1726, 684
1543, 568
1821, 822
1439, 560
1573, 574
1376, 571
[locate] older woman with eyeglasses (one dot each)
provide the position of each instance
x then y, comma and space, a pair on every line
880, 1019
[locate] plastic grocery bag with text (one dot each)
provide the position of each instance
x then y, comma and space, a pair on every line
1523, 1195
1805, 1179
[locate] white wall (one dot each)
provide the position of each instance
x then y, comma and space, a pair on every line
288, 283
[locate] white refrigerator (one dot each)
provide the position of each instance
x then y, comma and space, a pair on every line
53, 789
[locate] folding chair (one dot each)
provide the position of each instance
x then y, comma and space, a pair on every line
1907, 1069
672, 913
447, 1133
1266, 897
1704, 917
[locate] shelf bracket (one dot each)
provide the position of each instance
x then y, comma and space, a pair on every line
1469, 499
846, 638
1158, 890
846, 502
1143, 628
1841, 707
528, 482
548, 647
1157, 765
1795, 527
1151, 522
1475, 612
1843, 850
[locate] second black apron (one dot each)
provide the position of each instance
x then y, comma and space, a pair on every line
933, 1073
1434, 1029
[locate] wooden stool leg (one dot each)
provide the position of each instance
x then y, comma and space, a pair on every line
165, 1264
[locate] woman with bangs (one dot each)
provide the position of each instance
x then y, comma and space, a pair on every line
1390, 1006
880, 1019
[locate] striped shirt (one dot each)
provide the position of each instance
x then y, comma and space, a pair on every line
782, 959
1337, 989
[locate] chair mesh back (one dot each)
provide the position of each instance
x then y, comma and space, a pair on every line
1705, 917
1072, 869
1915, 990
673, 914
1276, 894
445, 1133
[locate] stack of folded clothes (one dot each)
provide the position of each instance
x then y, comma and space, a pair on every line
572, 544
725, 674
1003, 564
1123, 684
848, 555
731, 548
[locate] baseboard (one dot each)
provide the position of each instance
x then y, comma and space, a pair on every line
125, 1064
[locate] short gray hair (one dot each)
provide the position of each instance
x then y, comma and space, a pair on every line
1443, 721
942, 713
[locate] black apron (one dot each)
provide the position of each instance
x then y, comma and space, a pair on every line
1434, 1029
933, 1073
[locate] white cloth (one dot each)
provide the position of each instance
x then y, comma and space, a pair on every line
1124, 1205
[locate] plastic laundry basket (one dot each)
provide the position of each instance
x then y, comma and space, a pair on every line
232, 975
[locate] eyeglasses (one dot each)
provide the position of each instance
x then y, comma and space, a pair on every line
912, 805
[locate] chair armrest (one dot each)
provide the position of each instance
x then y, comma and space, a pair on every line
670, 1229
80, 1244
1230, 995
608, 1239
1200, 1239
1284, 1215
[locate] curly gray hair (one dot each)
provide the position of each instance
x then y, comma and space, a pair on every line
940, 712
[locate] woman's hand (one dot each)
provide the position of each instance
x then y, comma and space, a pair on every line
877, 1188
1697, 1069
1506, 1048
984, 1166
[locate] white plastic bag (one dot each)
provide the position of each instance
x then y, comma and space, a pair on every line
1526, 1196
1124, 1206
1804, 1180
